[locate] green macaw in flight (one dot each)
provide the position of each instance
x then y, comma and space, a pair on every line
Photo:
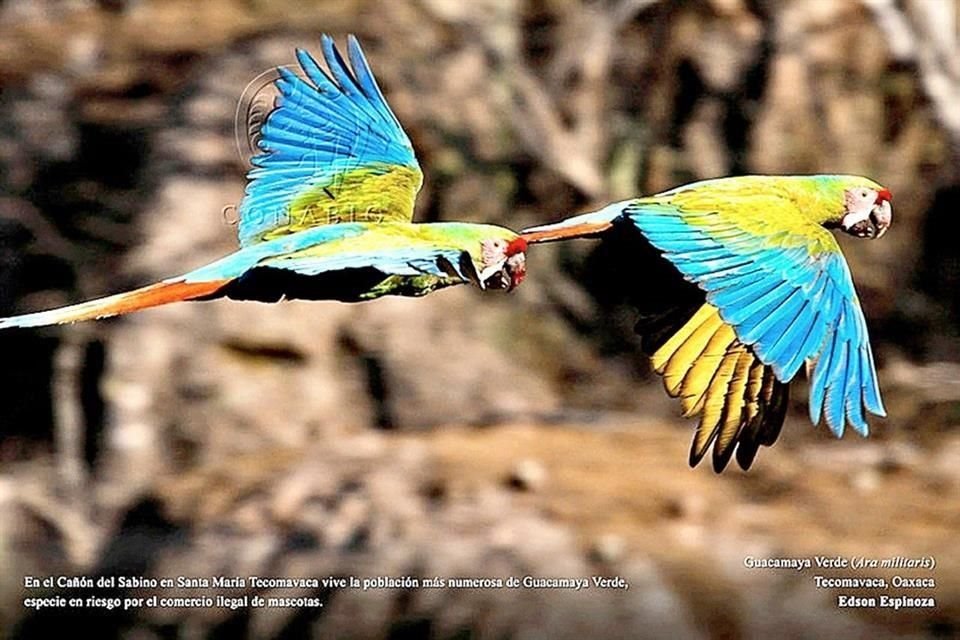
738, 281
750, 285
327, 213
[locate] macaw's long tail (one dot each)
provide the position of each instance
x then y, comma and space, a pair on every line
173, 290
583, 226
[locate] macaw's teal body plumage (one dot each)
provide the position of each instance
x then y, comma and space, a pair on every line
760, 289
327, 213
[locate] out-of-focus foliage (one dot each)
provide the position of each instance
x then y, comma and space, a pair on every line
327, 438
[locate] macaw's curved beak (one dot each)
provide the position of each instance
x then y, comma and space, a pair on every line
880, 217
877, 222
505, 274
496, 276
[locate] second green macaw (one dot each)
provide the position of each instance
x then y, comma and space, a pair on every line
327, 214
739, 284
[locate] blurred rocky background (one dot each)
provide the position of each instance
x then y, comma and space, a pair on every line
462, 434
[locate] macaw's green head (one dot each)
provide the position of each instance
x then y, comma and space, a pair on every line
866, 207
503, 263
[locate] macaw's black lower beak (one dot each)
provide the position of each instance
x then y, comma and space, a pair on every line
863, 229
499, 279
880, 217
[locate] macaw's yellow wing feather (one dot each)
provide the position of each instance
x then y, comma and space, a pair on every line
697, 381
739, 400
683, 359
767, 408
731, 421
713, 408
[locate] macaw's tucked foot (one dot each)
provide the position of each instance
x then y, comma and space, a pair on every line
150, 296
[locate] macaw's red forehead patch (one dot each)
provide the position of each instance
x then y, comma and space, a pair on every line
517, 245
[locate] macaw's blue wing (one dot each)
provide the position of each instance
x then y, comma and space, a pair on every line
333, 152
786, 291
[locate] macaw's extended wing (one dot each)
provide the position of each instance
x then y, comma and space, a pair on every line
779, 283
333, 152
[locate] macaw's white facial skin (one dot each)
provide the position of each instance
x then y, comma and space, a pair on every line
867, 212
504, 264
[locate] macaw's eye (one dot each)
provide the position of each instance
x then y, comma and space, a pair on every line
864, 193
